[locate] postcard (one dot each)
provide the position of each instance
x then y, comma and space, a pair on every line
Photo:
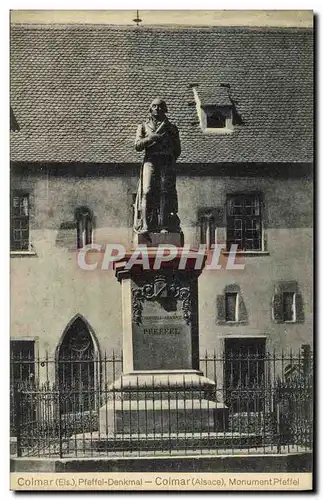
161, 250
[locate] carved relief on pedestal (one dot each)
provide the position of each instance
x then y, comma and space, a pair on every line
166, 291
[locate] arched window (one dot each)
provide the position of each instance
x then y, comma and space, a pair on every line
84, 226
208, 229
76, 370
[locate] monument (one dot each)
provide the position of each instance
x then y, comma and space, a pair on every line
162, 391
156, 203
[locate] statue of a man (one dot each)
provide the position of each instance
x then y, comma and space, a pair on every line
156, 203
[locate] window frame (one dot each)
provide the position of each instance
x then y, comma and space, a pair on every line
84, 227
253, 363
202, 115
18, 193
24, 363
133, 198
236, 307
86, 361
208, 229
293, 288
225, 110
245, 217
293, 308
23, 373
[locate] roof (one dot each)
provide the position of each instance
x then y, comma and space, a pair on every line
217, 96
79, 92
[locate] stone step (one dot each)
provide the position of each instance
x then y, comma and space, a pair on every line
150, 416
164, 441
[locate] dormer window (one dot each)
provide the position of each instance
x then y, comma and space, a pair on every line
215, 110
217, 117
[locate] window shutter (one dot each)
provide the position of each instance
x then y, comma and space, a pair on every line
277, 308
243, 314
299, 308
220, 305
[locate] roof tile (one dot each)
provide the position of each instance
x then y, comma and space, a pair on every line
78, 93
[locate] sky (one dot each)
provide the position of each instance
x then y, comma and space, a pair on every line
287, 18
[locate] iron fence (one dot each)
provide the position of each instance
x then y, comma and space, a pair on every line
246, 403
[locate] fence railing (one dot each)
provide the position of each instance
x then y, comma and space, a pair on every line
254, 402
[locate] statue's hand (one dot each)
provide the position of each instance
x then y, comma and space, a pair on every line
155, 137
151, 139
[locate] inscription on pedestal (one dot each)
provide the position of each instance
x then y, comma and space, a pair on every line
162, 331
162, 326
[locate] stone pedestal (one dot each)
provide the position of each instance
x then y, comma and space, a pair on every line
161, 389
155, 239
163, 402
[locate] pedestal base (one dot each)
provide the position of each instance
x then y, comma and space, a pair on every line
163, 402
165, 416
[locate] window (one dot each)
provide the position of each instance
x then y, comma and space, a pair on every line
208, 230
244, 224
244, 372
22, 372
22, 362
214, 109
217, 117
287, 303
19, 237
84, 226
133, 207
76, 368
231, 306
289, 312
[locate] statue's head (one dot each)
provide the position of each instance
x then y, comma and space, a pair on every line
158, 109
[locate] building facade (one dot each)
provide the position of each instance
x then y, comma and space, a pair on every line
242, 100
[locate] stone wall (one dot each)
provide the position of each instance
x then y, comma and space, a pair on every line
49, 289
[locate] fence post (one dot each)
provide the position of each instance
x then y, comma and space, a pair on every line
17, 399
60, 424
278, 427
